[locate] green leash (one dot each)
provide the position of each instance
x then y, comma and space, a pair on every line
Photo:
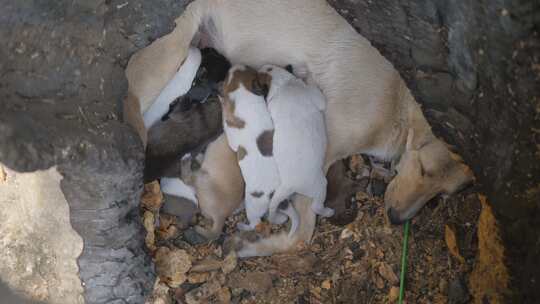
403, 262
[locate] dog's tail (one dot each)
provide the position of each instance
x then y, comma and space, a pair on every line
150, 69
282, 242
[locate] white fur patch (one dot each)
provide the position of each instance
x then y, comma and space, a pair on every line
179, 85
176, 187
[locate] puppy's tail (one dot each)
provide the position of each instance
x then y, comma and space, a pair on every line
283, 242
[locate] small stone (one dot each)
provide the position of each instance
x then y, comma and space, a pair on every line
290, 264
393, 294
224, 296
148, 223
193, 238
204, 292
229, 263
345, 234
207, 265
379, 283
326, 284
152, 198
387, 273
172, 265
256, 282
198, 277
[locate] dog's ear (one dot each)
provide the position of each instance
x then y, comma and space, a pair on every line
289, 68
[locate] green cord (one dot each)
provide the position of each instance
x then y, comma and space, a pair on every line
403, 262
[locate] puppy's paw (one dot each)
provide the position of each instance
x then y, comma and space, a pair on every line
279, 219
324, 212
244, 227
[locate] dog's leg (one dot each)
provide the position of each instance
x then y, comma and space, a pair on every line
282, 242
280, 195
253, 215
289, 210
319, 196
213, 233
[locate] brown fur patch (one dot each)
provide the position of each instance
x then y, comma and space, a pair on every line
257, 193
241, 153
265, 142
249, 78
231, 120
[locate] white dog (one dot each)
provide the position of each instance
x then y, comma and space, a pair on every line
299, 139
250, 132
369, 108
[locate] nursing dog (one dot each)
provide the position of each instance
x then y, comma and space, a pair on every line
369, 108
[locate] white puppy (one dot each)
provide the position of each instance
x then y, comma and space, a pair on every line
250, 131
178, 86
299, 139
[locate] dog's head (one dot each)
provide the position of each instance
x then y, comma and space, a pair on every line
423, 172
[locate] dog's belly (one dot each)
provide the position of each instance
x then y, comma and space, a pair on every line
358, 82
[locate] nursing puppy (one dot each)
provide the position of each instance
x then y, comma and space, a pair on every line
369, 108
299, 138
219, 186
250, 132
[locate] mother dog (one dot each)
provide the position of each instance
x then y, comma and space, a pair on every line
370, 110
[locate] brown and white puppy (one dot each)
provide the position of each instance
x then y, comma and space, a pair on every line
369, 108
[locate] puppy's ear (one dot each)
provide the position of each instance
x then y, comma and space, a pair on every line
260, 86
289, 68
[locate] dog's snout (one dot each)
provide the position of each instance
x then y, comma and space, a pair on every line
394, 217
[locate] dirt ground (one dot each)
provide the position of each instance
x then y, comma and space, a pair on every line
354, 257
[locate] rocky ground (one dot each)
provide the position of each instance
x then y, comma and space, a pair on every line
354, 256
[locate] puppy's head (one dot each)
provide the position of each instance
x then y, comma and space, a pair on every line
248, 78
241, 77
278, 75
423, 172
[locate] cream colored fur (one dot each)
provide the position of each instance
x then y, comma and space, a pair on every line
369, 108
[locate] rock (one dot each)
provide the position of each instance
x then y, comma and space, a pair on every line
160, 294
387, 273
224, 296
229, 263
183, 208
457, 292
149, 225
193, 238
393, 294
198, 277
152, 197
297, 263
172, 265
256, 282
207, 265
326, 284
204, 292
